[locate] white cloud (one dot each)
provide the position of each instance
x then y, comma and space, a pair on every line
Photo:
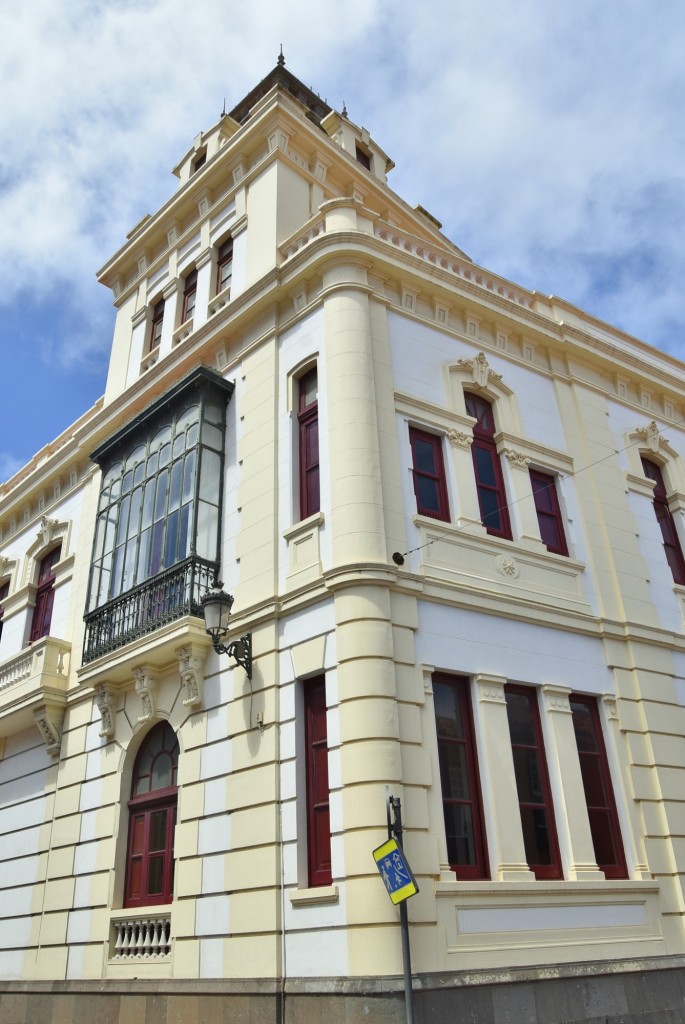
547, 137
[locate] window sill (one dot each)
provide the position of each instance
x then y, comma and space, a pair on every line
182, 332
304, 555
220, 300
148, 361
303, 525
316, 895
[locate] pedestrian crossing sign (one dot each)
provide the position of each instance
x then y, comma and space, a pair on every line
395, 871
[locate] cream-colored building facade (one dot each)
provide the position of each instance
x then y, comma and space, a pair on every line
282, 285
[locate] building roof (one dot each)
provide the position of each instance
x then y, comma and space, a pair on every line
317, 108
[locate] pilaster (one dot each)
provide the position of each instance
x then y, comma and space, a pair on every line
573, 823
498, 780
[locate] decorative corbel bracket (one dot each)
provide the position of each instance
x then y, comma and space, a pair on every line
104, 698
191, 665
146, 683
49, 720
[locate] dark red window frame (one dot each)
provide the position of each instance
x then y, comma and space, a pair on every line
532, 782
599, 793
41, 619
428, 474
152, 820
189, 293
548, 510
4, 594
487, 468
224, 265
459, 777
669, 534
156, 326
318, 797
308, 424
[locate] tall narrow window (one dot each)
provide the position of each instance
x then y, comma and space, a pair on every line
156, 326
599, 794
548, 511
532, 782
669, 534
199, 161
224, 265
459, 778
45, 596
318, 813
4, 593
492, 498
152, 818
308, 420
428, 471
189, 293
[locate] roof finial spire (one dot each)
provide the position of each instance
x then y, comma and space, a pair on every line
223, 112
281, 58
344, 109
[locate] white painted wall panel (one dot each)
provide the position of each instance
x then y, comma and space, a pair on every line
457, 640
212, 958
326, 957
211, 915
214, 835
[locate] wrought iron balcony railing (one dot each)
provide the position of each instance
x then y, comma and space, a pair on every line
168, 596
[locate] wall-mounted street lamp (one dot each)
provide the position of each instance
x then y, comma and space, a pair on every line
216, 608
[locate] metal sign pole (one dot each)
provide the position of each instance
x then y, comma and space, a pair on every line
395, 828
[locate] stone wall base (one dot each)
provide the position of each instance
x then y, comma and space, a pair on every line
648, 992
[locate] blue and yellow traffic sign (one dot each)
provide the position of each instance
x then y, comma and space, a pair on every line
395, 872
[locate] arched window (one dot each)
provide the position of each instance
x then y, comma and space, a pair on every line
492, 499
152, 819
45, 596
672, 548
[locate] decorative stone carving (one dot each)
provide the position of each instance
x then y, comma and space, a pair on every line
651, 435
609, 702
146, 684
480, 369
5, 565
517, 459
47, 530
507, 566
490, 688
49, 721
191, 667
104, 699
459, 439
556, 698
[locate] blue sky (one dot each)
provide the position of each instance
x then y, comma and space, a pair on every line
548, 138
